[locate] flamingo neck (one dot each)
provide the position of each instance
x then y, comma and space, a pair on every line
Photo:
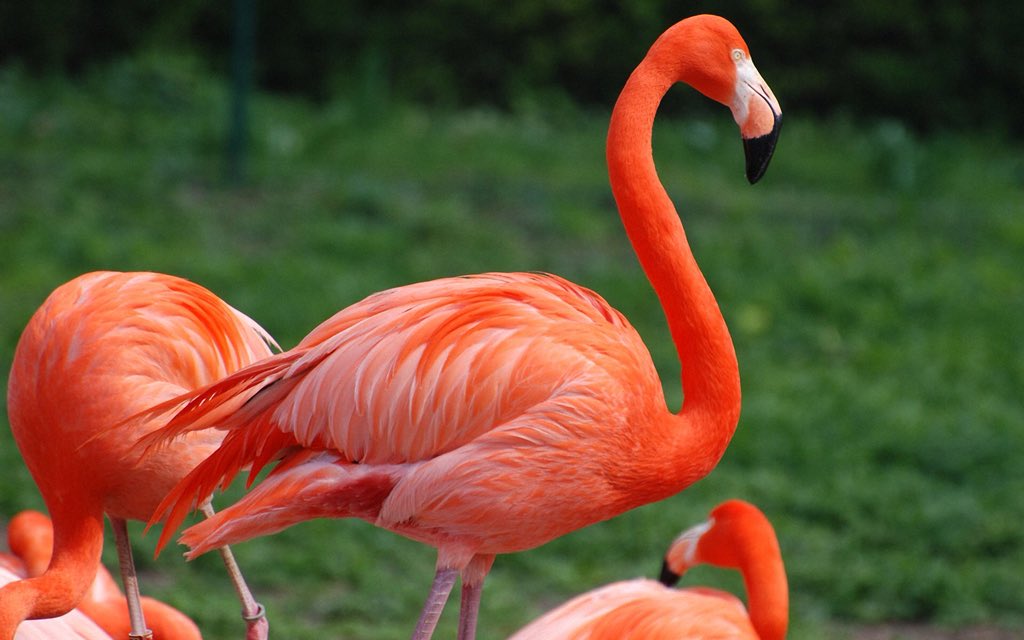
768, 606
78, 544
748, 543
764, 578
710, 374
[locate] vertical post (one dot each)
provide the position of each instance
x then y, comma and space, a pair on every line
242, 48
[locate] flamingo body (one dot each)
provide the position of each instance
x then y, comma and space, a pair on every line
431, 440
491, 413
100, 349
103, 347
736, 536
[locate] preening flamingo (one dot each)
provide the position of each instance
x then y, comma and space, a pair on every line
101, 348
737, 536
492, 413
30, 538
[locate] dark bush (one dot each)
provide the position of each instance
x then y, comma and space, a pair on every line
933, 64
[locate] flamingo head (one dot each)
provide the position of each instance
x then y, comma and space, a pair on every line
758, 114
683, 553
708, 53
733, 532
30, 537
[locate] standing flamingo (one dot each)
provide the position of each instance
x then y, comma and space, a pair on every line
737, 536
101, 348
30, 538
492, 413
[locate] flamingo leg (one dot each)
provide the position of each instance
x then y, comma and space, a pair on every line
444, 580
469, 610
257, 627
130, 580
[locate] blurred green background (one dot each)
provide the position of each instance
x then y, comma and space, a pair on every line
872, 281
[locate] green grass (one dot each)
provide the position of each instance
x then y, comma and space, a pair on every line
872, 283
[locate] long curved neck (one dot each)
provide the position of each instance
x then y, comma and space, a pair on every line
78, 543
710, 373
764, 577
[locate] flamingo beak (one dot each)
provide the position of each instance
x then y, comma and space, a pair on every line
758, 114
668, 577
759, 150
682, 554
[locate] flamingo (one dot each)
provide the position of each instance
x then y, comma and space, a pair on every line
101, 348
491, 413
736, 536
30, 537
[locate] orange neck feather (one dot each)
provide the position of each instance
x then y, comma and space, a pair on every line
76, 556
710, 373
746, 541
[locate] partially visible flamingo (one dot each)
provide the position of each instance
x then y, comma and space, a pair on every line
71, 626
736, 536
101, 348
492, 413
17, 564
30, 538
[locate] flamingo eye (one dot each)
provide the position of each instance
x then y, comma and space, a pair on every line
737, 54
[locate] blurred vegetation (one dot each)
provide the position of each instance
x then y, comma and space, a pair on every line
872, 283
936, 64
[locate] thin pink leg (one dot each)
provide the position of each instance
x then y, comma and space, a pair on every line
469, 610
473, 576
130, 580
257, 627
444, 580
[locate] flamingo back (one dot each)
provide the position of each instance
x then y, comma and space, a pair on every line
101, 348
644, 610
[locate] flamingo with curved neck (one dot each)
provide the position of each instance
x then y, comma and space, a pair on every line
492, 413
736, 536
101, 348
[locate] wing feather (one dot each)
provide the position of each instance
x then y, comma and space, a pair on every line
407, 375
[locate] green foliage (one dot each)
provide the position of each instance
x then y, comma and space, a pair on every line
871, 281
933, 64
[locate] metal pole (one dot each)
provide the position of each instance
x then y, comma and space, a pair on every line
242, 48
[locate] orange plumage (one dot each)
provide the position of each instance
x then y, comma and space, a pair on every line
491, 413
72, 625
30, 539
737, 536
100, 349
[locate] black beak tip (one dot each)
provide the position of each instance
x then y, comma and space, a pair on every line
668, 577
759, 151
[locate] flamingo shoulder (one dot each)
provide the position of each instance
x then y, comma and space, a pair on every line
157, 334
